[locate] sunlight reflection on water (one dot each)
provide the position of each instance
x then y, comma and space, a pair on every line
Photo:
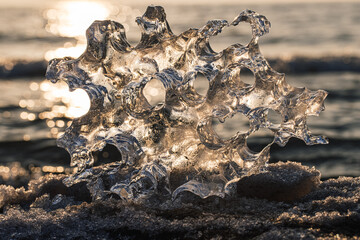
76, 103
71, 19
54, 104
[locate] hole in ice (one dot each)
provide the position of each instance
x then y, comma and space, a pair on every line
238, 123
241, 32
260, 139
75, 104
79, 103
154, 92
274, 117
201, 84
247, 76
109, 154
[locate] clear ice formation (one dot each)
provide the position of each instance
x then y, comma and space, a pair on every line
172, 147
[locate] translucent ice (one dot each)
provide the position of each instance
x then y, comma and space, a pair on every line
171, 146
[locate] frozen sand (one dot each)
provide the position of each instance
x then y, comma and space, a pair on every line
305, 208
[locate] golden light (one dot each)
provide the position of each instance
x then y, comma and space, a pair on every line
31, 117
23, 103
53, 169
72, 18
50, 123
34, 86
26, 137
76, 103
67, 51
4, 169
23, 115
79, 104
60, 123
154, 92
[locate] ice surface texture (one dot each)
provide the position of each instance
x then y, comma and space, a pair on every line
172, 147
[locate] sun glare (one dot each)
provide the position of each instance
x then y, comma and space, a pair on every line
67, 51
76, 103
71, 19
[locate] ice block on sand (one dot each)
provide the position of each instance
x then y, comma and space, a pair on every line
171, 147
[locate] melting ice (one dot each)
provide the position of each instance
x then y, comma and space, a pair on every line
171, 147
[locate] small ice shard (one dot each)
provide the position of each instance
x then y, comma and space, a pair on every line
171, 147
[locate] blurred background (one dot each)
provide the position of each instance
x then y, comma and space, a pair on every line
316, 43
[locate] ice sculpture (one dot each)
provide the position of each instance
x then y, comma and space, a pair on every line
172, 147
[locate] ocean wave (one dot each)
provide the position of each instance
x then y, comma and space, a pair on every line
21, 38
22, 68
348, 95
321, 64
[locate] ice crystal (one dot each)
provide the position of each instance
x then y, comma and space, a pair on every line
172, 146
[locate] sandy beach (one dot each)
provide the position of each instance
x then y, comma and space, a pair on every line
324, 210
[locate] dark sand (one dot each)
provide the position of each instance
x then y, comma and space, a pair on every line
287, 201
